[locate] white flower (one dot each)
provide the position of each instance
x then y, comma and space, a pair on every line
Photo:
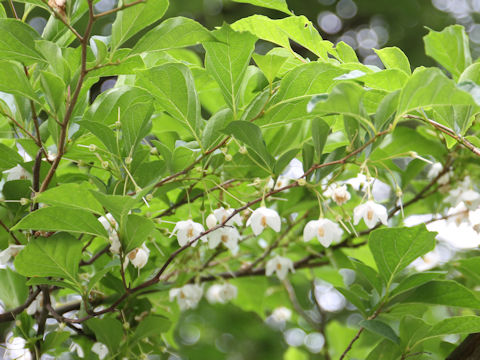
18, 173
211, 221
186, 231
36, 305
227, 235
339, 194
281, 314
371, 212
294, 170
471, 199
221, 293
262, 217
15, 349
221, 215
139, 256
9, 252
74, 347
111, 225
279, 265
435, 170
187, 296
460, 214
325, 230
359, 182
281, 182
100, 349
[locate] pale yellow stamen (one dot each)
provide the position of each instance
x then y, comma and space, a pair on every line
264, 221
370, 214
321, 231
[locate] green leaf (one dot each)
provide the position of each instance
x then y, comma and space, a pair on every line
174, 88
152, 325
212, 132
108, 331
450, 48
384, 351
379, 327
53, 340
386, 111
58, 283
251, 135
456, 325
135, 123
56, 256
394, 58
18, 42
270, 64
346, 53
279, 5
137, 231
227, 60
101, 273
103, 133
320, 132
444, 292
117, 205
296, 90
284, 160
395, 248
173, 33
54, 90
281, 31
3, 14
135, 18
13, 291
10, 158
470, 267
416, 280
71, 195
14, 81
56, 218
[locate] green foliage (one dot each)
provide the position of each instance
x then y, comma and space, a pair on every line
105, 198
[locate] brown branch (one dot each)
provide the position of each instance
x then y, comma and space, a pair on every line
10, 315
60, 17
95, 257
296, 305
7, 229
446, 130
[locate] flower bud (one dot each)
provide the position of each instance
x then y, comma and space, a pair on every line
118, 124
128, 160
24, 201
92, 147
242, 150
149, 197
211, 221
105, 164
302, 182
228, 157
153, 151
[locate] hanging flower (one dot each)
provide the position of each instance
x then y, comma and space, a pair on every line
18, 173
187, 296
221, 293
325, 230
220, 215
9, 252
281, 314
371, 212
281, 182
263, 217
16, 348
139, 256
111, 225
280, 265
186, 231
227, 235
100, 349
339, 194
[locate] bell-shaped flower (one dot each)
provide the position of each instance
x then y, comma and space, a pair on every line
339, 194
263, 217
111, 225
187, 296
371, 212
326, 231
16, 348
280, 265
186, 231
9, 252
100, 349
227, 235
280, 183
18, 173
221, 215
139, 256
281, 314
221, 293
471, 198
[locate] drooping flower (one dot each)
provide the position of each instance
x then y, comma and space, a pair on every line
221, 293
18, 173
326, 231
339, 194
263, 217
111, 225
281, 182
227, 235
187, 296
16, 349
100, 349
280, 265
186, 231
9, 252
281, 314
371, 212
139, 256
220, 215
